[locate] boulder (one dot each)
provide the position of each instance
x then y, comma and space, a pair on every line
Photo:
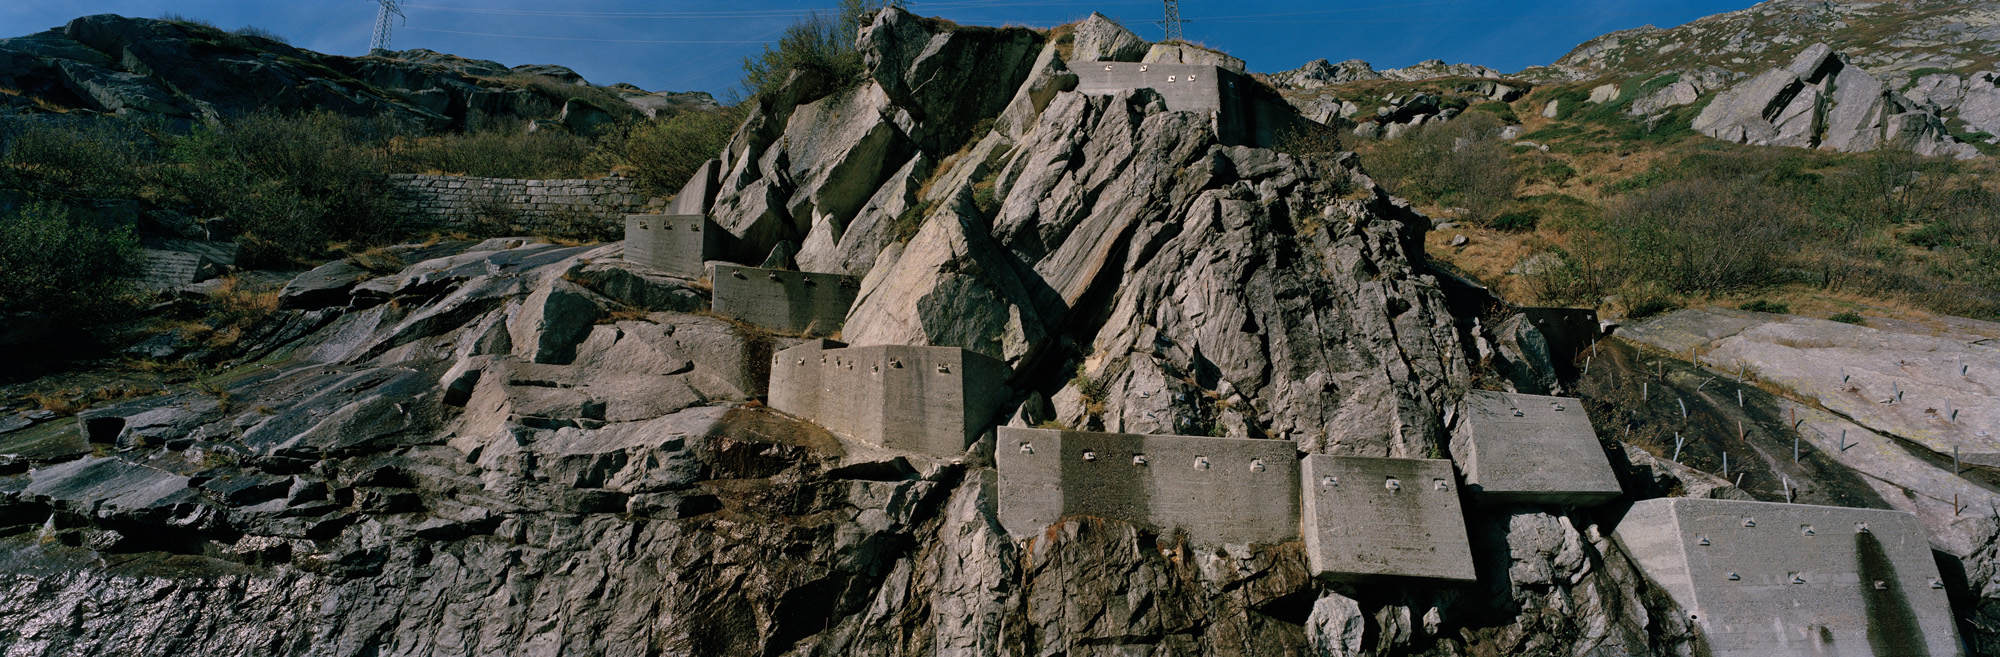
1101, 39
325, 286
1184, 53
1604, 93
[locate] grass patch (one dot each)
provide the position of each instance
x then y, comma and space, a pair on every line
1850, 317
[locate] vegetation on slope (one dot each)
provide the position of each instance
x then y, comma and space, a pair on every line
1638, 216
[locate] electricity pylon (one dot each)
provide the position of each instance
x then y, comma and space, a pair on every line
1173, 20
382, 24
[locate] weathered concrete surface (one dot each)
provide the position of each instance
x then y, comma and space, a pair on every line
1371, 517
1763, 579
1843, 380
1530, 448
788, 301
929, 400
675, 244
1216, 490
1246, 112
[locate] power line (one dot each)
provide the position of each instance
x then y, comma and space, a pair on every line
553, 38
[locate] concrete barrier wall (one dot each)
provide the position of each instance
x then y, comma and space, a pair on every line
1369, 517
1568, 330
929, 400
1218, 490
1530, 448
553, 206
1246, 112
678, 244
796, 302
1763, 579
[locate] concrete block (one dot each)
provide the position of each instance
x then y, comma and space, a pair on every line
1569, 330
1246, 113
1530, 448
790, 301
1371, 517
1217, 490
1762, 579
929, 400
674, 243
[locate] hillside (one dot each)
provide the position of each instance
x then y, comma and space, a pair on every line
187, 71
982, 341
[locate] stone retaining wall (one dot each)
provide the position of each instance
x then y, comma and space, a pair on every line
557, 207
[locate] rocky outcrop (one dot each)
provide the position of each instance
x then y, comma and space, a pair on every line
1822, 101
1100, 39
179, 71
1436, 68
1320, 73
1973, 100
1187, 53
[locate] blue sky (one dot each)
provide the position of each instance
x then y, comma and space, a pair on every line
698, 45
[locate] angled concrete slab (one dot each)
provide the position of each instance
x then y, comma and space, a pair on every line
1375, 517
1530, 448
1762, 579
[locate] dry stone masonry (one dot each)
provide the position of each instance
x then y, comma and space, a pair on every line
1218, 490
789, 301
1762, 579
929, 400
526, 205
1371, 517
1530, 448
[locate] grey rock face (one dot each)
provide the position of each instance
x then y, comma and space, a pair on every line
1436, 68
1174, 53
1320, 73
1099, 39
1821, 100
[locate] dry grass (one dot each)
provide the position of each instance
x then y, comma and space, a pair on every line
377, 260
70, 401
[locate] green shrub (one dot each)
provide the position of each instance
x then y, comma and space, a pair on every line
501, 150
53, 262
666, 152
1704, 236
819, 43
1518, 220
1762, 306
293, 183
261, 33
1498, 109
1649, 305
1454, 163
75, 159
1850, 317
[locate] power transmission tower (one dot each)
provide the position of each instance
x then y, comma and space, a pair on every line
382, 24
1174, 20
